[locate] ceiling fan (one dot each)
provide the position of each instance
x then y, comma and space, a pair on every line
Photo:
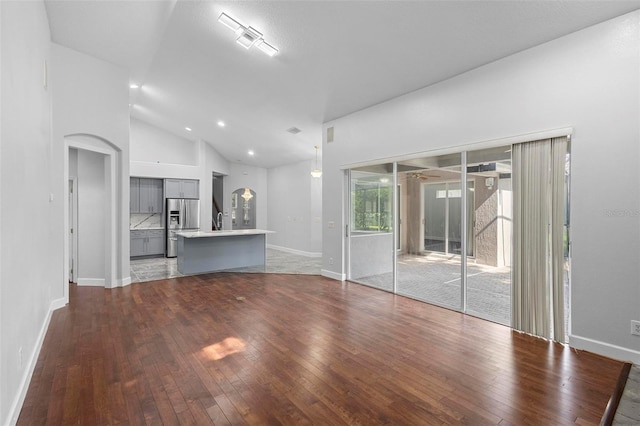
422, 176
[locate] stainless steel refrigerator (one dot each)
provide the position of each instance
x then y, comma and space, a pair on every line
182, 215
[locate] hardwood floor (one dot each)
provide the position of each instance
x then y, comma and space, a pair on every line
290, 349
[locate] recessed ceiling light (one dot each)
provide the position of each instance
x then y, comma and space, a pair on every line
221, 123
188, 129
133, 86
247, 36
250, 152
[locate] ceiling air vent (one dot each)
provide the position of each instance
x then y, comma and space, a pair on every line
293, 130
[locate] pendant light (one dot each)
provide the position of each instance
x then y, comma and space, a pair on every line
247, 194
316, 173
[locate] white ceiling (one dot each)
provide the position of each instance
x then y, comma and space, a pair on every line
336, 57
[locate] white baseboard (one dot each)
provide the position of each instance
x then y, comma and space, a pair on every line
604, 349
294, 251
16, 407
91, 282
57, 304
124, 282
333, 275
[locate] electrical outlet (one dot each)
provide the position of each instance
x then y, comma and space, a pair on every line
635, 328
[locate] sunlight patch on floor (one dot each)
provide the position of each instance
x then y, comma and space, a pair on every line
229, 346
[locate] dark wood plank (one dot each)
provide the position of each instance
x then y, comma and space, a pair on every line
614, 401
286, 349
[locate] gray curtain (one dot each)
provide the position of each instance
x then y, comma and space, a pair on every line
538, 217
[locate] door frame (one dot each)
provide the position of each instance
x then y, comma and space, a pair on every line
73, 229
115, 223
446, 213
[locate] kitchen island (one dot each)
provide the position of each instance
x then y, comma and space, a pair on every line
201, 252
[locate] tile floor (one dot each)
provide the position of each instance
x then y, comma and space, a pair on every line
628, 412
278, 262
436, 279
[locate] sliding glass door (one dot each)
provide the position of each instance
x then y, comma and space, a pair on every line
488, 278
443, 217
371, 237
455, 248
457, 218
429, 263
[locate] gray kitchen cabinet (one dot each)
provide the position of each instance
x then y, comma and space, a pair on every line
172, 188
150, 195
137, 246
146, 242
190, 189
134, 195
155, 241
145, 195
181, 188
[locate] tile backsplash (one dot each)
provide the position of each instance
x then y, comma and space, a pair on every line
145, 220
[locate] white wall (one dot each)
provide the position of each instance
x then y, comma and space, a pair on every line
294, 208
160, 154
153, 145
91, 108
588, 80
92, 205
255, 178
210, 161
30, 260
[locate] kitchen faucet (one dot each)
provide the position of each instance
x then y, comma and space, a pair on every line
219, 220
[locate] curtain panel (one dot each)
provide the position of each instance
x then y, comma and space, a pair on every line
538, 227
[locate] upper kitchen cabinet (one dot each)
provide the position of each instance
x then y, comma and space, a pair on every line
181, 188
151, 195
145, 195
134, 195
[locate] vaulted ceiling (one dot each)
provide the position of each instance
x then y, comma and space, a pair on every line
335, 58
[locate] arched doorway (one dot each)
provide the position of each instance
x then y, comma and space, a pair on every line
98, 224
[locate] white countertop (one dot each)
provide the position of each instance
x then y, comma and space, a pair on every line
200, 234
145, 221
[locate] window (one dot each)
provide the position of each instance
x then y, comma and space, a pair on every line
372, 204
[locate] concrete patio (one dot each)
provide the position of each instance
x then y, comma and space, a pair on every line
435, 279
